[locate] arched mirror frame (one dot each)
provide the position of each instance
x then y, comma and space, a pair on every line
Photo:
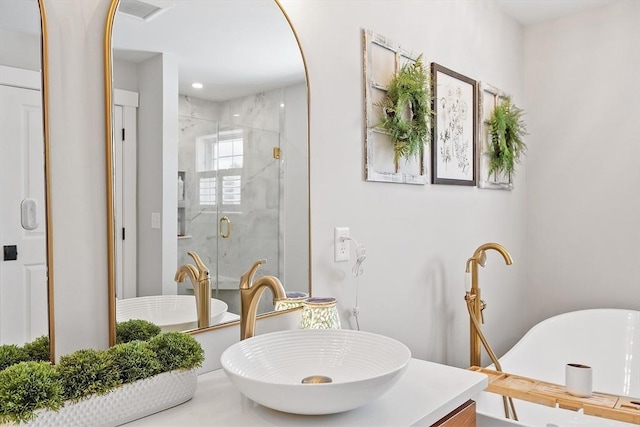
47, 176
108, 73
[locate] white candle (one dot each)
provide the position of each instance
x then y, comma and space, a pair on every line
578, 379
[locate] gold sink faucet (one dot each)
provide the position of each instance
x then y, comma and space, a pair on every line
201, 287
479, 257
250, 292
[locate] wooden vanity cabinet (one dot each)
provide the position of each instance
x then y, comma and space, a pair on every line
463, 416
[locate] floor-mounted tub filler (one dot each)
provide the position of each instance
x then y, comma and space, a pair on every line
607, 340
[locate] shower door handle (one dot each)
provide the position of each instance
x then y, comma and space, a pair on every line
224, 227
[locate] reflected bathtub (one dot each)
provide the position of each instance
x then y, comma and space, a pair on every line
608, 340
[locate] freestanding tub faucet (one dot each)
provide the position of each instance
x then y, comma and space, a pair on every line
250, 292
479, 257
201, 287
475, 305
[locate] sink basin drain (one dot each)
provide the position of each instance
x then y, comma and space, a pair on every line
316, 379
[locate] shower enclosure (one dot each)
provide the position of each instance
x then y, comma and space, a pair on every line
229, 191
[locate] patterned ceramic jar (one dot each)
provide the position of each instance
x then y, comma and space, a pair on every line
320, 313
293, 300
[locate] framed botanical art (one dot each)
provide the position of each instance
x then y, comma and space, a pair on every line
453, 151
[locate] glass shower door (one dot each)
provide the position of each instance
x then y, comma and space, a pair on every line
249, 183
229, 208
196, 192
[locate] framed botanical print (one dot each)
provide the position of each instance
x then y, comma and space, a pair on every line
453, 150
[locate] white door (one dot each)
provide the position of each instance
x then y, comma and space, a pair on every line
125, 192
23, 282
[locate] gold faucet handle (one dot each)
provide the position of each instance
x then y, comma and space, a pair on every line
482, 258
196, 258
246, 280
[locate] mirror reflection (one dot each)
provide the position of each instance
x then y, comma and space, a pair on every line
210, 155
24, 306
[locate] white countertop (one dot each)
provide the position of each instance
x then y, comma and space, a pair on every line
424, 394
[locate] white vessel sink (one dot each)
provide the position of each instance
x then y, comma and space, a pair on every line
270, 368
170, 312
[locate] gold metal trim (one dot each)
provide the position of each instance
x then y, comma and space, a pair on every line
108, 78
237, 322
108, 94
44, 75
306, 74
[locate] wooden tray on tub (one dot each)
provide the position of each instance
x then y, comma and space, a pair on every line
620, 408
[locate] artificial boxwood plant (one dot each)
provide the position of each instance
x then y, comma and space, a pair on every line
135, 329
135, 361
177, 350
26, 387
86, 372
35, 351
38, 349
10, 354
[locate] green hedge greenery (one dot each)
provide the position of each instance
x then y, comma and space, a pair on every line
86, 372
177, 350
10, 354
135, 329
27, 383
134, 361
26, 387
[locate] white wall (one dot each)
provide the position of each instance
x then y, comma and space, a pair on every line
20, 50
417, 237
157, 175
125, 75
78, 177
583, 96
296, 198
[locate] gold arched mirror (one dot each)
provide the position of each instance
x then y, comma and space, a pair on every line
207, 151
26, 284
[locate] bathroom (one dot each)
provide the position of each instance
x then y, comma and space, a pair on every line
571, 228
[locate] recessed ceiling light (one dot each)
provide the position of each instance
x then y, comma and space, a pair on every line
197, 85
282, 105
236, 115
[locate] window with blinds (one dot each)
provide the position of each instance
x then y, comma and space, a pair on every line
218, 160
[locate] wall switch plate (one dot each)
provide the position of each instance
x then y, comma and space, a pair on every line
341, 247
155, 219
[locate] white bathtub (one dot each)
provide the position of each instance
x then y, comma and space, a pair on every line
608, 340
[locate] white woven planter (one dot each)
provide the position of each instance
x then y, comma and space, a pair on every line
124, 404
